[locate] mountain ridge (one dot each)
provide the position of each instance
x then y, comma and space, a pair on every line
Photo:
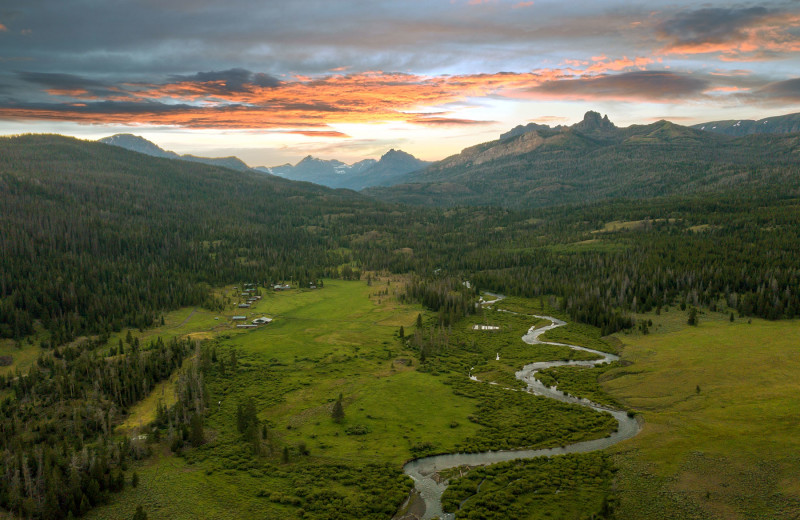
362, 174
325, 172
595, 160
139, 144
788, 123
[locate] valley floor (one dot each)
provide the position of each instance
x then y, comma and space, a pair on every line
720, 405
718, 402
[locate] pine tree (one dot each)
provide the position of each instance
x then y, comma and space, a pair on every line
337, 412
139, 514
196, 430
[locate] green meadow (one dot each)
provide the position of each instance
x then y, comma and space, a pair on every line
719, 400
339, 340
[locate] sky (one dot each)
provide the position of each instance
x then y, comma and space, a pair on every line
272, 81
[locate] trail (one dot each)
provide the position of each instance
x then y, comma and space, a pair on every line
423, 470
186, 320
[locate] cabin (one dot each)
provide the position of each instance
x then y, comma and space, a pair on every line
239, 318
246, 326
485, 327
262, 321
244, 305
282, 287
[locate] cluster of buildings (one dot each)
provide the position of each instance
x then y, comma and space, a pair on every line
255, 323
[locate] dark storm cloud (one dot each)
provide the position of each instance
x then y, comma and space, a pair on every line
60, 81
97, 108
71, 85
633, 86
780, 91
711, 25
232, 80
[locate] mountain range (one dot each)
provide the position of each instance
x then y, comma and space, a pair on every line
594, 160
332, 173
393, 165
537, 165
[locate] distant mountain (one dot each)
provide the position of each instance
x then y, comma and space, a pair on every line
142, 145
737, 127
595, 160
336, 174
392, 165
331, 173
138, 144
233, 163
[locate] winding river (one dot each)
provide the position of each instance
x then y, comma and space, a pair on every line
424, 470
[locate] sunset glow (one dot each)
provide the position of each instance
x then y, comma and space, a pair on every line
273, 82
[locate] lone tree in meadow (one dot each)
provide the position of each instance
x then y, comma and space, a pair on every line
139, 514
692, 316
337, 412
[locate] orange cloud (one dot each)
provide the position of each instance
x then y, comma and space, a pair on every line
520, 5
240, 99
728, 89
604, 65
753, 34
75, 93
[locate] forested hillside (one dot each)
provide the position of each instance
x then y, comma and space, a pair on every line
95, 238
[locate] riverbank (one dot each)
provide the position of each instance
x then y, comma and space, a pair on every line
424, 471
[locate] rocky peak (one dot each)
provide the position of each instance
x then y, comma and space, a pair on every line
592, 121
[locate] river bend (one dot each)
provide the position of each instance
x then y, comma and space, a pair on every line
423, 470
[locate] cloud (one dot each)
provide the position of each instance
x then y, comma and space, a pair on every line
448, 121
60, 81
736, 34
73, 86
787, 91
603, 64
711, 25
242, 99
232, 80
653, 86
3, 28
317, 133
239, 98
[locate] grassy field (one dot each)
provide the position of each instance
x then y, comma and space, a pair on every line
339, 340
23, 355
721, 436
